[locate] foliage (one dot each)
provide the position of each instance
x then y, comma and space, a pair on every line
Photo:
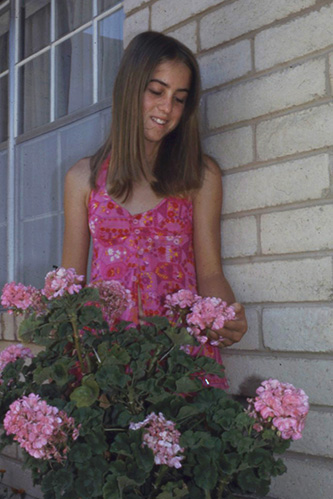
108, 379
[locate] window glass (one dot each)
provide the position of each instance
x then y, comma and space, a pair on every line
4, 28
70, 14
35, 18
34, 77
103, 5
110, 33
4, 108
74, 73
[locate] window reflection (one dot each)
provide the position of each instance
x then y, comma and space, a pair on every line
34, 79
70, 14
106, 4
4, 29
4, 108
74, 73
110, 33
35, 33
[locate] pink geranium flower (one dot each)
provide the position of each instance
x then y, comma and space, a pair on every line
42, 430
61, 281
201, 313
114, 299
281, 406
17, 298
162, 438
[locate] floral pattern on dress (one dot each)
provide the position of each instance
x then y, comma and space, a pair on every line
150, 253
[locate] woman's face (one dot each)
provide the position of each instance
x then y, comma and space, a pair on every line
164, 102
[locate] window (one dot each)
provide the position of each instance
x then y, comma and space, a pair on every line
66, 56
58, 61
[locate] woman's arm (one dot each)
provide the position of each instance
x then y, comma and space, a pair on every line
76, 234
207, 205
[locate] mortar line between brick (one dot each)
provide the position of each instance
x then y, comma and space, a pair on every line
287, 111
277, 22
279, 355
255, 75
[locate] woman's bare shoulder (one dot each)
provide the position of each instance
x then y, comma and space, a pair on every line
78, 176
80, 171
212, 167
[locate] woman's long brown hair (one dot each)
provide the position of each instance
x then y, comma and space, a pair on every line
179, 165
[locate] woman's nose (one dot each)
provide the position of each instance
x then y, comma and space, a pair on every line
166, 104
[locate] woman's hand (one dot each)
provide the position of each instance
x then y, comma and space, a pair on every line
233, 331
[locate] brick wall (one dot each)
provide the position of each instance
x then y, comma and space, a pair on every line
267, 71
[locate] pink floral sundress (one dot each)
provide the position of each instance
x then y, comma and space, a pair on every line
150, 253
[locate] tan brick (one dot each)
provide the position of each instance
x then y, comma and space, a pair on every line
225, 64
281, 90
238, 18
294, 39
135, 24
305, 479
233, 148
188, 35
239, 237
133, 4
302, 329
251, 339
296, 132
10, 451
167, 13
289, 182
282, 281
16, 477
7, 326
308, 229
314, 376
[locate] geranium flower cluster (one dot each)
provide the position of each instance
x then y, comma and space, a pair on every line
12, 353
42, 430
162, 438
281, 406
114, 299
200, 313
17, 298
61, 281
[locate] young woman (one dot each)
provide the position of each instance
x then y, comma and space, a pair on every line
149, 198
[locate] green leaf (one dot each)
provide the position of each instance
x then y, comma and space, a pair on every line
59, 371
187, 385
205, 477
110, 489
86, 394
180, 336
173, 490
41, 374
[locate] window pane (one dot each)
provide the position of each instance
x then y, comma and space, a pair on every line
3, 108
110, 33
4, 28
35, 26
35, 93
74, 73
106, 4
70, 14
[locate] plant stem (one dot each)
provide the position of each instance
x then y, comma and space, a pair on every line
163, 470
207, 494
77, 343
220, 488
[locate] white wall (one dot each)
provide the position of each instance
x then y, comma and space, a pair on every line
267, 68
